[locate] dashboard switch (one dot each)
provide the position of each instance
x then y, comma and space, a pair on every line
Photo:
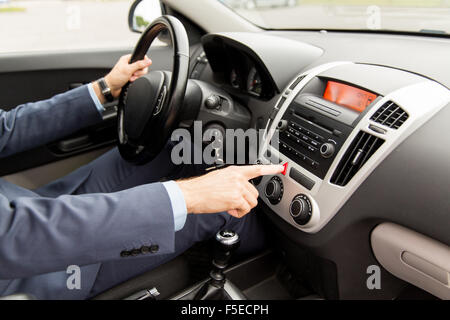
285, 168
212, 102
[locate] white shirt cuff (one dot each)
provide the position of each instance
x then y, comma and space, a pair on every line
178, 204
94, 97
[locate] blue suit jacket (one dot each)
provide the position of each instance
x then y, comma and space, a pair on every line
40, 237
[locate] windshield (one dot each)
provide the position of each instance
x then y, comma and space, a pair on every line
431, 16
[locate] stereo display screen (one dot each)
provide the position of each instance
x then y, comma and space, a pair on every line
348, 96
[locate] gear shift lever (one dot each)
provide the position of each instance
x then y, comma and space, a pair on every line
226, 243
217, 287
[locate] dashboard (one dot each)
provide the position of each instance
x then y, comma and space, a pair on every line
330, 148
360, 133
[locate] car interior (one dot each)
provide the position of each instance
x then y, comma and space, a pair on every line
359, 118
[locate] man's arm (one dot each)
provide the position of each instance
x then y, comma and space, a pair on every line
34, 124
42, 235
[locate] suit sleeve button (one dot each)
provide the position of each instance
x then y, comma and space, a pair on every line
154, 248
125, 254
145, 249
135, 252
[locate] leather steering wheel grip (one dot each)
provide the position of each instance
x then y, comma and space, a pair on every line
157, 127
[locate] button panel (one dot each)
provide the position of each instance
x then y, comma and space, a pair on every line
303, 137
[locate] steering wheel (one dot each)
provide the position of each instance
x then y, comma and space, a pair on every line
149, 107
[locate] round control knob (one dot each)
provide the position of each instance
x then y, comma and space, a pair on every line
282, 125
274, 190
212, 102
327, 150
301, 209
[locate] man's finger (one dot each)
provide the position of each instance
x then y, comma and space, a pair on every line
126, 58
250, 198
141, 64
233, 213
251, 172
140, 73
253, 190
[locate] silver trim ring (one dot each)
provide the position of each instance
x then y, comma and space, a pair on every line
227, 237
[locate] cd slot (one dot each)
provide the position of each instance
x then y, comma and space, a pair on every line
316, 124
326, 108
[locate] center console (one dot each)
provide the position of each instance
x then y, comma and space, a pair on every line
331, 127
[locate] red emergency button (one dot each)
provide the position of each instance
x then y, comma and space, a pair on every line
285, 168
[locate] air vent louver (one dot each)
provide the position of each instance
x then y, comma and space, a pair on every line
296, 82
390, 115
362, 148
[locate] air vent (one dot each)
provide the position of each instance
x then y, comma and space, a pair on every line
296, 82
390, 115
362, 148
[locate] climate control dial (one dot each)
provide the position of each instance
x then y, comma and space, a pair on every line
274, 190
301, 209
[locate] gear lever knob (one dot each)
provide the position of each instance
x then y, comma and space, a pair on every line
226, 243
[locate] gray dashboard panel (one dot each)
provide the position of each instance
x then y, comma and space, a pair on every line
427, 56
410, 188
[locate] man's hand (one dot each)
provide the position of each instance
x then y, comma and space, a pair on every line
228, 190
121, 74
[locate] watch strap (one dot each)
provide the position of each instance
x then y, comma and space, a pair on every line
106, 90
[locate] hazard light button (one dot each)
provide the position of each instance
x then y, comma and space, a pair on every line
285, 168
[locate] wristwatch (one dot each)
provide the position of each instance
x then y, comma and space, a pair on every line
106, 91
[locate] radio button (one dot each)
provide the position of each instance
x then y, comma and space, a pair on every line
315, 136
315, 143
314, 164
302, 156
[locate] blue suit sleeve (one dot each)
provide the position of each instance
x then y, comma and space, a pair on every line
33, 124
178, 204
94, 97
40, 235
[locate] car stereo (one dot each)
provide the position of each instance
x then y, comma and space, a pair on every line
314, 127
